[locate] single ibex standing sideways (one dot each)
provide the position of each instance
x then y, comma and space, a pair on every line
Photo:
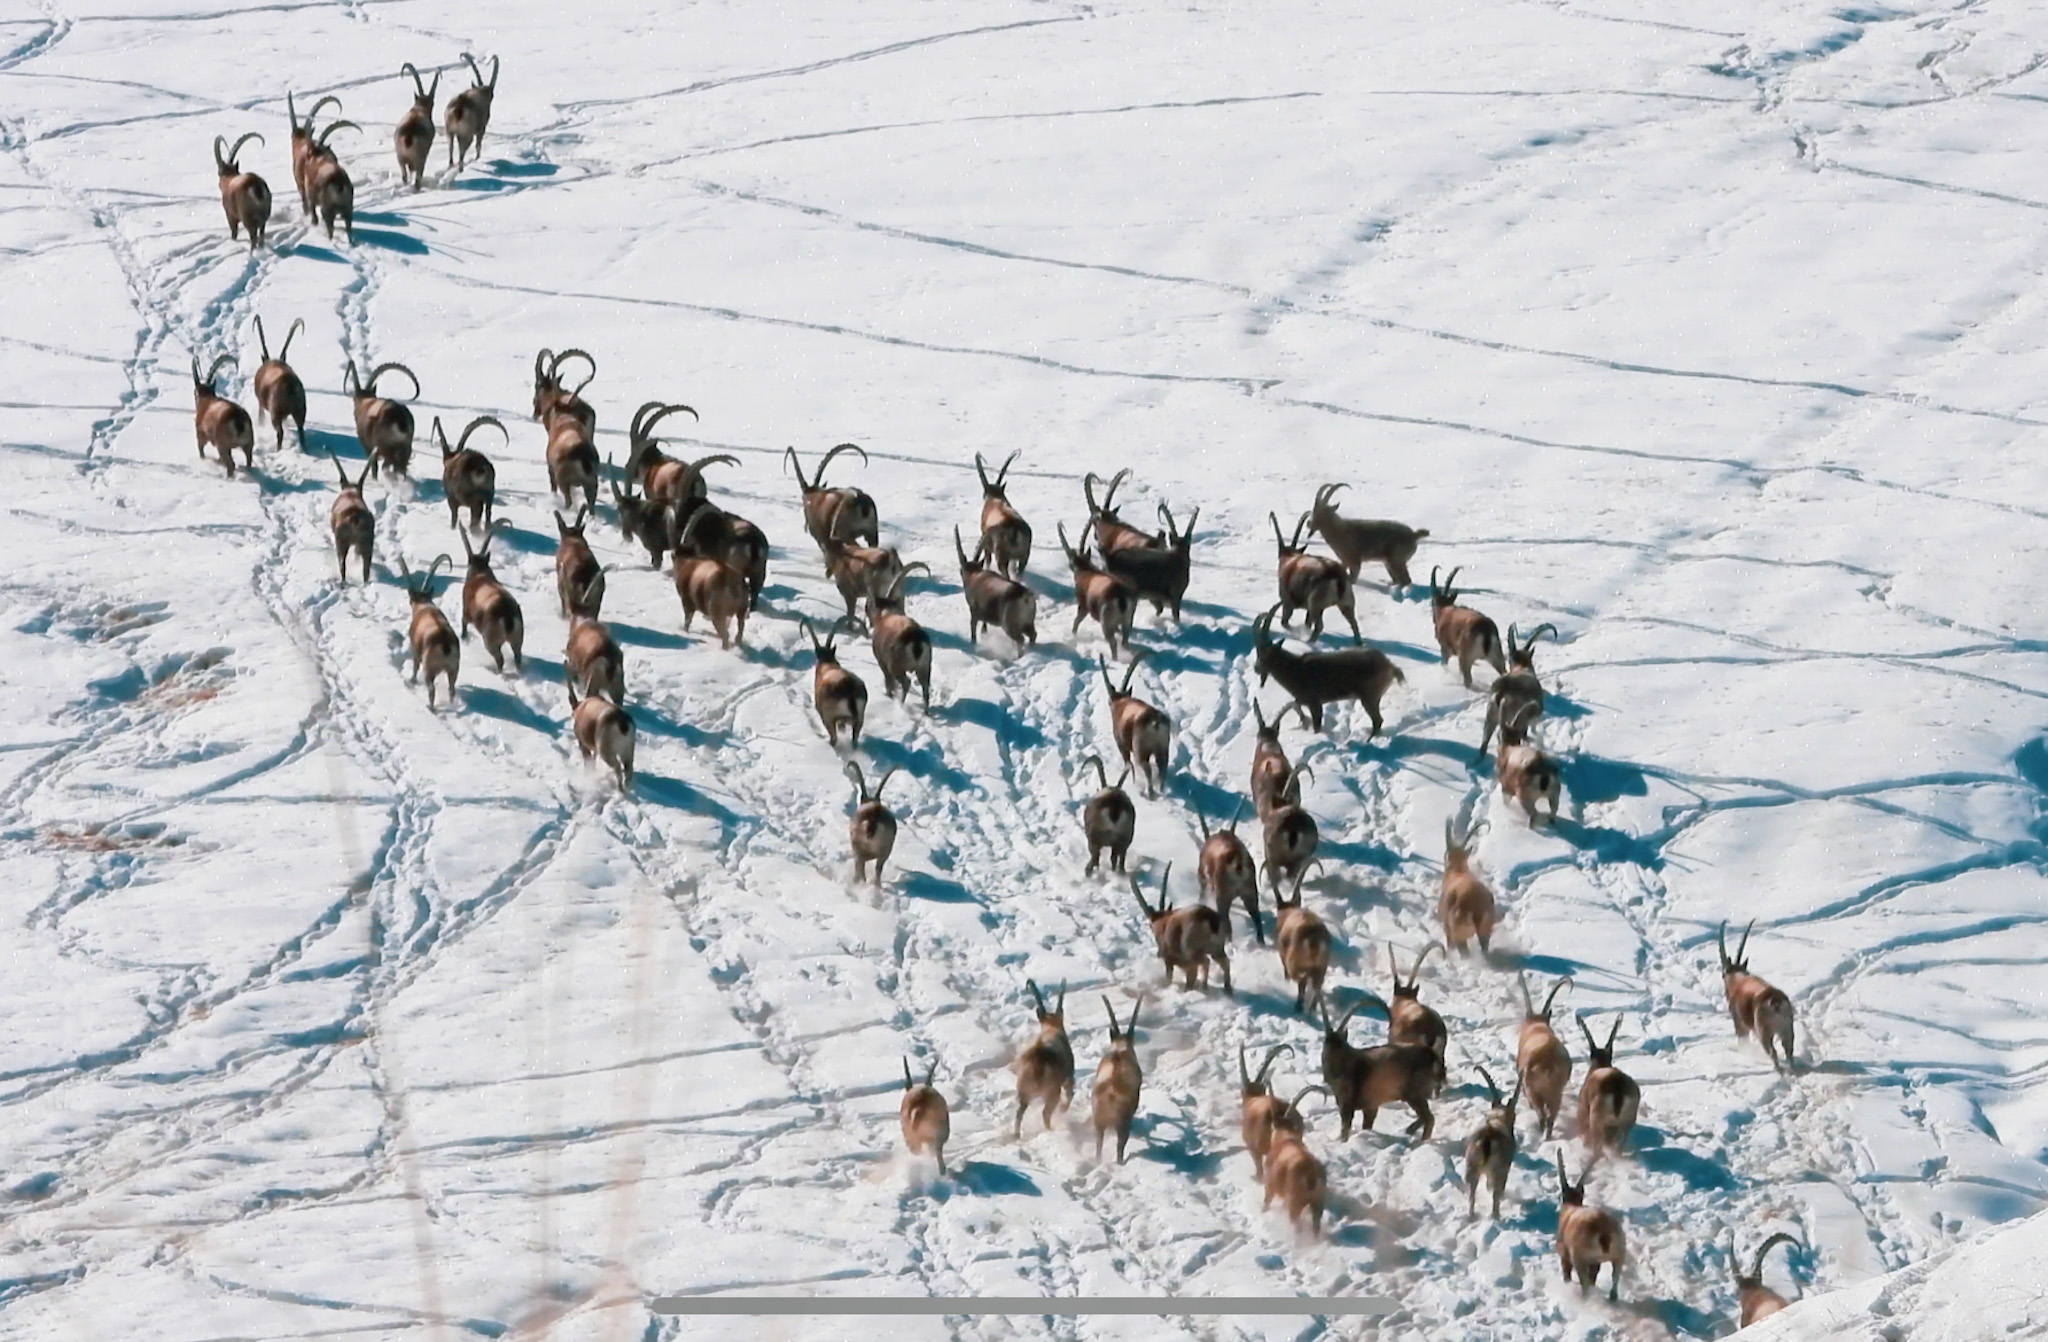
1462, 632
1118, 1081
244, 197
384, 427
1541, 1059
1187, 939
1004, 532
1143, 733
468, 479
219, 422
1312, 584
1359, 541
351, 521
414, 137
1587, 1236
1491, 1150
469, 114
1108, 819
835, 514
1314, 679
993, 600
1045, 1067
1754, 1005
433, 643
872, 831
1364, 1080
924, 1116
279, 393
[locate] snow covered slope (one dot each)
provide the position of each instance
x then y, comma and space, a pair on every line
1713, 336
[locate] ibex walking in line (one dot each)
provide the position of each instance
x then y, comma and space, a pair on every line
279, 393
303, 153
1158, 574
1541, 1059
1303, 940
433, 644
902, 648
1608, 1097
993, 600
872, 831
332, 192
1526, 774
219, 422
414, 137
1408, 1020
839, 695
1045, 1067
1462, 632
1004, 532
384, 427
708, 584
1226, 872
1143, 733
1491, 1150
1518, 695
1466, 907
551, 398
1111, 531
924, 1116
1358, 542
244, 196
1587, 1236
604, 731
1294, 1176
1099, 595
1312, 584
353, 524
490, 608
1263, 1111
1274, 781
1754, 1005
468, 479
469, 114
1109, 820
1187, 939
579, 578
835, 514
1113, 1103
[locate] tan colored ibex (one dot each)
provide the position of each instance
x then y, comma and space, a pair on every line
551, 398
1045, 1067
592, 661
1303, 940
1465, 907
1587, 1236
722, 535
433, 644
414, 137
1294, 1176
1491, 1150
1311, 583
839, 695
1541, 1059
1408, 1020
993, 600
579, 578
353, 524
571, 456
1754, 1005
1292, 837
1111, 531
384, 427
279, 393
1608, 1097
302, 147
1158, 574
1113, 1101
872, 831
835, 514
1108, 819
468, 479
469, 114
1264, 1113
1365, 1080
1526, 773
1187, 939
1143, 734
244, 196
1274, 782
924, 1116
902, 648
332, 192
1358, 541
220, 423
490, 608
1754, 1299
1004, 532
861, 573
604, 731
1518, 695
1461, 631
708, 584
1099, 595
663, 478
1226, 872
1315, 679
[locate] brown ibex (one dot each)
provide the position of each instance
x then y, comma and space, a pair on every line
1108, 819
415, 135
384, 427
1004, 532
244, 196
1099, 595
1303, 940
708, 584
579, 578
872, 831
1461, 631
332, 193
1408, 1020
1491, 1150
1158, 574
1292, 838
902, 647
1754, 1005
432, 642
468, 479
835, 514
351, 521
1294, 1176
1264, 1113
1358, 541
219, 422
1274, 782
302, 147
571, 456
1143, 733
926, 1120
1314, 679
1187, 939
279, 393
1465, 907
663, 478
1311, 583
1518, 695
1526, 773
861, 573
551, 398
490, 608
837, 693
1541, 1059
723, 535
592, 661
993, 600
1113, 1101
640, 519
604, 731
1587, 1236
1045, 1067
469, 114
1226, 871
1111, 531
1608, 1097
1754, 1299
1364, 1080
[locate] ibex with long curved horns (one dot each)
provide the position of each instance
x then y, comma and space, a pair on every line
663, 478
1541, 1059
414, 138
1316, 679
384, 427
353, 524
244, 196
469, 114
835, 514
1359, 541
1108, 819
1186, 939
1408, 1020
1159, 574
489, 607
279, 393
1364, 1080
1045, 1067
1754, 1005
551, 398
1753, 1299
1274, 781
993, 600
872, 831
1264, 1113
1608, 1097
302, 147
1311, 583
1004, 532
468, 479
1491, 1150
1111, 531
1518, 695
218, 422
1465, 906
432, 642
331, 192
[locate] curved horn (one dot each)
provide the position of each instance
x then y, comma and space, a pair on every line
544, 360
818, 476
1592, 1044
1415, 971
1073, 557
1327, 493
236, 152
420, 89
343, 473
1279, 538
961, 549
475, 73
493, 85
284, 351
1244, 1076
383, 368
478, 423
1115, 482
1756, 1263
261, 343
321, 139
1538, 632
326, 100
1564, 1185
220, 165
1036, 996
639, 428
883, 781
931, 1073
1451, 582
214, 371
1514, 652
982, 472
791, 462
1434, 585
1528, 1002
432, 568
1721, 945
1088, 492
439, 437
1139, 892
1294, 1105
1202, 819
1741, 949
1272, 1055
555, 369
1449, 842
1492, 1091
1113, 1032
1555, 989
1004, 473
715, 459
1101, 774
291, 113
1259, 716
907, 1083
860, 782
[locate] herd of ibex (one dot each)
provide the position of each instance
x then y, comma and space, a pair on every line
718, 562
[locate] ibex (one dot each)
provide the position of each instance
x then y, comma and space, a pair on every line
1111, 531
872, 831
469, 114
1491, 1150
384, 427
1364, 1080
1409, 1021
1303, 941
415, 135
219, 422
1518, 695
1587, 1236
1108, 819
468, 479
302, 147
1465, 908
244, 197
663, 478
279, 393
1314, 679
571, 456
488, 607
902, 647
1143, 733
1099, 595
1274, 781
1754, 1005
1311, 584
1526, 773
1187, 939
434, 645
1226, 872
1045, 1067
1158, 574
1357, 542
723, 535
1118, 1080
1541, 1059
333, 194
551, 398
1754, 1299
860, 572
641, 519
838, 694
835, 514
709, 584
579, 578
1264, 1112
353, 525
926, 1120
1608, 1097
1292, 838
1004, 532
993, 600
1461, 631
604, 731
592, 661
1292, 1174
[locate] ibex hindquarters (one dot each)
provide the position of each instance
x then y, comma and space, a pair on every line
1490, 1152
1587, 1237
1113, 1103
469, 115
1753, 1004
604, 731
924, 1116
414, 137
219, 422
1465, 907
1045, 1067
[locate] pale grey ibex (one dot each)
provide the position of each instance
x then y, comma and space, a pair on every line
1315, 679
244, 196
218, 422
1360, 541
1004, 532
469, 114
279, 393
433, 644
414, 137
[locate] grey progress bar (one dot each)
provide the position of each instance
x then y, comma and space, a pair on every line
1024, 1305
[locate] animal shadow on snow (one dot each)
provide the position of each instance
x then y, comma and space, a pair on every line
990, 716
1653, 1153
520, 540
495, 703
924, 762
938, 889
1594, 778
319, 442
640, 636
981, 1178
680, 796
388, 241
1183, 1154
651, 722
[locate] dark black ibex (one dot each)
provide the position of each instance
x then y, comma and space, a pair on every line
469, 114
415, 135
279, 393
1364, 1080
1158, 574
1316, 679
1518, 695
1004, 532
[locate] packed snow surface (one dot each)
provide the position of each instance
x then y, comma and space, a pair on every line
1713, 336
